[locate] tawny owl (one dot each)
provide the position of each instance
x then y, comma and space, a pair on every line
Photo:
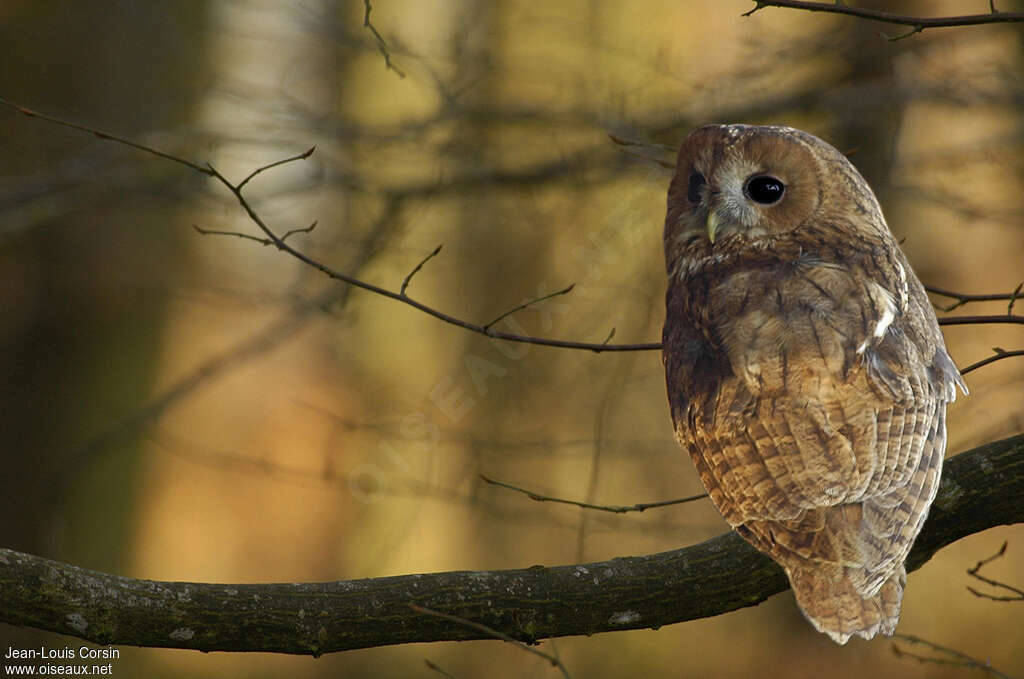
806, 372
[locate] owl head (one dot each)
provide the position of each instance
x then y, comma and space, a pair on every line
739, 183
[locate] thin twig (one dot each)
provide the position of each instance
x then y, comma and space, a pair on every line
916, 24
999, 355
105, 135
308, 229
405, 281
901, 36
245, 236
300, 156
563, 291
956, 658
1018, 594
661, 163
615, 509
439, 670
555, 662
964, 298
381, 44
237, 234
645, 145
1014, 297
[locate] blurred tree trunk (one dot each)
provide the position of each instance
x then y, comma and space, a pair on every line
870, 112
80, 332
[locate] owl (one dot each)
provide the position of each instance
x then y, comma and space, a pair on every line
807, 376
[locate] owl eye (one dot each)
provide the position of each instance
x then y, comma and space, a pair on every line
764, 189
693, 191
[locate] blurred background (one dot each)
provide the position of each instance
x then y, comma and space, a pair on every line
185, 407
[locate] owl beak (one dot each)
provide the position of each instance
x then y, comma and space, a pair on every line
712, 225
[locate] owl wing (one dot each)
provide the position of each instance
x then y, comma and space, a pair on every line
818, 428
837, 376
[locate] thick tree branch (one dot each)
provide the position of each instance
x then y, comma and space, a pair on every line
980, 489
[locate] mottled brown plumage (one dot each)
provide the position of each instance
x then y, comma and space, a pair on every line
806, 372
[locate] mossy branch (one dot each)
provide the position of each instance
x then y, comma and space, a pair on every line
981, 488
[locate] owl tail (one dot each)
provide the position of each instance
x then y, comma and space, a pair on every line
832, 604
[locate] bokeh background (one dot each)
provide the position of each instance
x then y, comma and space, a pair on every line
187, 407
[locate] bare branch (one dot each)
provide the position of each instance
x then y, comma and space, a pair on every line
400, 296
245, 236
528, 604
300, 156
916, 24
964, 298
237, 234
658, 148
439, 670
1018, 594
538, 300
407, 279
105, 135
901, 36
307, 229
616, 509
643, 144
955, 658
999, 355
280, 244
981, 320
381, 44
555, 662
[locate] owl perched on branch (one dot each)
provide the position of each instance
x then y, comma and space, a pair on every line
806, 372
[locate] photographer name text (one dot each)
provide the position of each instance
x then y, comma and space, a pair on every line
66, 653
